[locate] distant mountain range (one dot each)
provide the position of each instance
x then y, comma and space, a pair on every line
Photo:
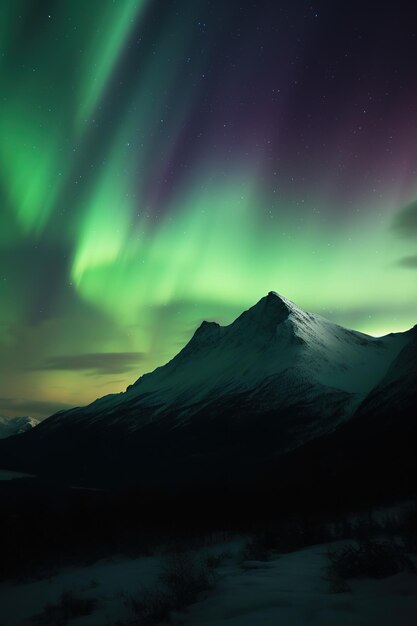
278, 391
15, 425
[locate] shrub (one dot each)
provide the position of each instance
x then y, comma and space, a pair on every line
181, 581
410, 529
185, 577
215, 560
68, 607
257, 548
152, 606
368, 559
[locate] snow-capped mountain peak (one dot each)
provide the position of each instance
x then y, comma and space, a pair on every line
274, 341
273, 379
266, 314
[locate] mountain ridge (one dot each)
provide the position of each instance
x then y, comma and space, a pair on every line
274, 379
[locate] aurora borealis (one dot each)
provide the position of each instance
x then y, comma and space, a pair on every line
168, 161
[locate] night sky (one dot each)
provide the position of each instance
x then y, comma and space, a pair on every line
168, 161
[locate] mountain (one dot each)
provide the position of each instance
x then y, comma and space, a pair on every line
234, 401
373, 455
397, 390
15, 425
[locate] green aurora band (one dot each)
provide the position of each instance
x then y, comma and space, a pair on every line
116, 239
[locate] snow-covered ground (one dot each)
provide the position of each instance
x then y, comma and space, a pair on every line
292, 590
289, 590
9, 475
105, 581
